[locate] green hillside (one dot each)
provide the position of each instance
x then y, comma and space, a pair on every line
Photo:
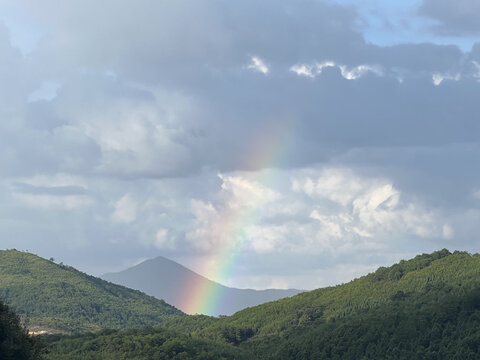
428, 273
424, 308
58, 297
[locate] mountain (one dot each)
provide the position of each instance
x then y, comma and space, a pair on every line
424, 308
165, 279
56, 297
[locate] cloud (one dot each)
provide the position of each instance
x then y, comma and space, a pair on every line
164, 240
339, 185
223, 223
454, 17
171, 109
138, 132
239, 192
359, 207
316, 69
60, 191
336, 211
438, 78
359, 71
258, 64
125, 210
205, 233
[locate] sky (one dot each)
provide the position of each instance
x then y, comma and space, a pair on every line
273, 143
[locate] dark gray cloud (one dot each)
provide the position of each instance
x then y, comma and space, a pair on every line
199, 73
189, 36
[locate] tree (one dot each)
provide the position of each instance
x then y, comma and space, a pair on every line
15, 343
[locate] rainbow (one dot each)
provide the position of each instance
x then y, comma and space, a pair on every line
266, 152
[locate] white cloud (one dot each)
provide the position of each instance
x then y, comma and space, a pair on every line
342, 212
363, 208
438, 78
239, 205
320, 66
313, 70
258, 64
136, 135
205, 233
239, 192
125, 210
338, 185
331, 225
267, 238
358, 71
163, 239
303, 70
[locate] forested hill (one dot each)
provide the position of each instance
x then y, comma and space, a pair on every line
53, 297
424, 308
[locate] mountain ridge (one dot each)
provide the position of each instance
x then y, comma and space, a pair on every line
174, 288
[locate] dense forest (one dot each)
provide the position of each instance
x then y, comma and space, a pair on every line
424, 308
56, 297
138, 344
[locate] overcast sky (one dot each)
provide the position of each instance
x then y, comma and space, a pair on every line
272, 143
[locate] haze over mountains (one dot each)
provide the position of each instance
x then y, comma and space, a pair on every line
165, 279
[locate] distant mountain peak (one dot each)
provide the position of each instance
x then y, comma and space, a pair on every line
168, 280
